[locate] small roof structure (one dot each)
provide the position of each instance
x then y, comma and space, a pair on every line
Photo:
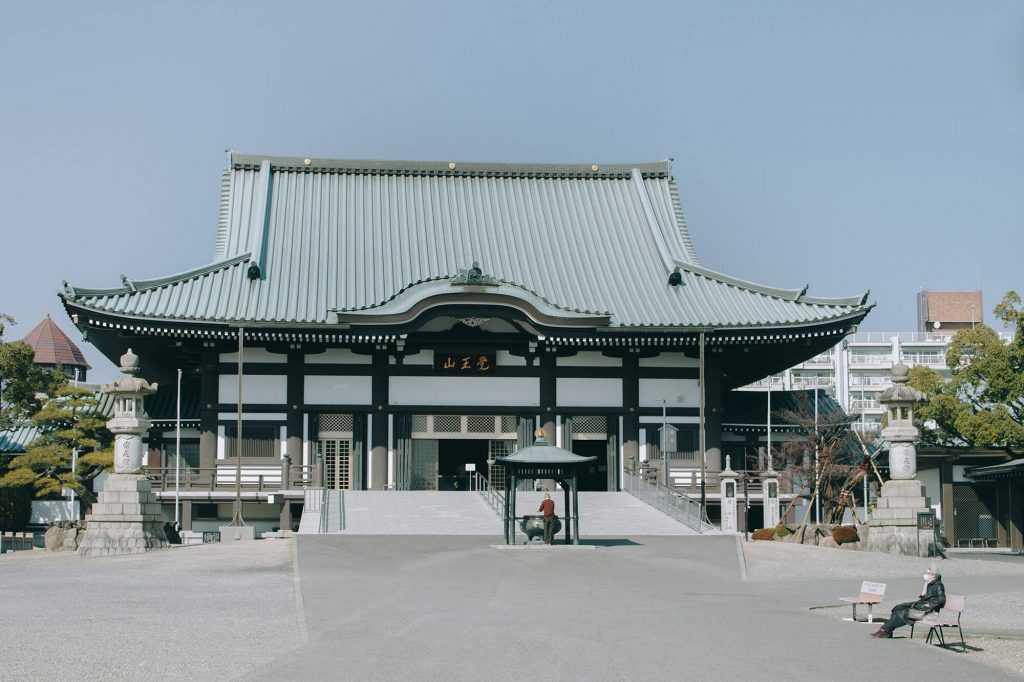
541, 460
53, 347
1009, 469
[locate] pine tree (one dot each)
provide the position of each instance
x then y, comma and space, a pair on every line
70, 420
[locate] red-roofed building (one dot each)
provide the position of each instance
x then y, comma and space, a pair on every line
53, 348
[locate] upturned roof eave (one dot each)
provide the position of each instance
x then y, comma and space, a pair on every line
661, 168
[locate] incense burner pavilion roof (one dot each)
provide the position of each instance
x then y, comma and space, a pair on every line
322, 242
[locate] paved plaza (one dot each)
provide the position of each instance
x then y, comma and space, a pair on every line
452, 607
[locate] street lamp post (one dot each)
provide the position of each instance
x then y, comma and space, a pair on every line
177, 459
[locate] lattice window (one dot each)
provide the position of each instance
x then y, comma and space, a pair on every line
974, 506
477, 423
447, 423
496, 472
336, 422
419, 423
589, 425
509, 424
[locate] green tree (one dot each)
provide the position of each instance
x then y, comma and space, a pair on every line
69, 420
23, 384
983, 403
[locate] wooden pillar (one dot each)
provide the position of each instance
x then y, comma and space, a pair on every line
285, 521
296, 402
630, 418
569, 511
155, 451
948, 515
713, 411
186, 515
379, 428
208, 402
548, 397
1016, 490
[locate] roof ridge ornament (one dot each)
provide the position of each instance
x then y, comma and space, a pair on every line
473, 275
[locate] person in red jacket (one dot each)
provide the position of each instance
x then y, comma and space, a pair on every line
547, 506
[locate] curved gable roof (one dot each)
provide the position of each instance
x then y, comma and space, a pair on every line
332, 235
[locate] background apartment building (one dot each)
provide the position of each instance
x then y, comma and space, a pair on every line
859, 368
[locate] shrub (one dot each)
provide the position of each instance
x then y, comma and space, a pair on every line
15, 508
844, 534
781, 531
763, 534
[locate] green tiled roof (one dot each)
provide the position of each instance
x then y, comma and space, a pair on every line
17, 439
361, 237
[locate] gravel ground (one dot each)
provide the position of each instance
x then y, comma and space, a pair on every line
1000, 609
199, 612
777, 561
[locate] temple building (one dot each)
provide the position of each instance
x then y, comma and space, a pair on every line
405, 323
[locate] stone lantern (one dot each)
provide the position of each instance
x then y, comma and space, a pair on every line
728, 479
893, 526
901, 433
126, 519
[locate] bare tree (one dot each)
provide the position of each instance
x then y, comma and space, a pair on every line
841, 464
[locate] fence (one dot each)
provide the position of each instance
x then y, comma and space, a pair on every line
15, 542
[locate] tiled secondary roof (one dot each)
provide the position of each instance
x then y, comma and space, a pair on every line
53, 347
329, 237
17, 439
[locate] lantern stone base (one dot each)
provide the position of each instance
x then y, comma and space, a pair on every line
237, 533
893, 525
125, 520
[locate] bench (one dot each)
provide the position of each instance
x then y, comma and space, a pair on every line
937, 622
870, 594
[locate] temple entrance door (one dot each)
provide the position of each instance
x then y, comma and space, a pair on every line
453, 456
337, 455
592, 475
424, 465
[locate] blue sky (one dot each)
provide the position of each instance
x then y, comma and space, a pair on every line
851, 146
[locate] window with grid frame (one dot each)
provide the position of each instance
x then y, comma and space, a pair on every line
189, 453
259, 441
337, 458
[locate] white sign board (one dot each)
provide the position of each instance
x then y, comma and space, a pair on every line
668, 438
470, 466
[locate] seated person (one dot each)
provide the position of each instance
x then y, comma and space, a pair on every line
933, 597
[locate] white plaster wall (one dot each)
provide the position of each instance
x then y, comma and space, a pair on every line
424, 357
932, 489
589, 392
464, 391
256, 388
253, 416
337, 390
506, 359
185, 433
254, 355
338, 356
670, 360
676, 392
588, 358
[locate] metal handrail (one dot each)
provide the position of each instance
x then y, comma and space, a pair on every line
325, 503
493, 497
678, 505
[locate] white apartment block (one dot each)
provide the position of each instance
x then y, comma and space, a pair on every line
859, 368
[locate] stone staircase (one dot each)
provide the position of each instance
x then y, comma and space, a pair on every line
368, 512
